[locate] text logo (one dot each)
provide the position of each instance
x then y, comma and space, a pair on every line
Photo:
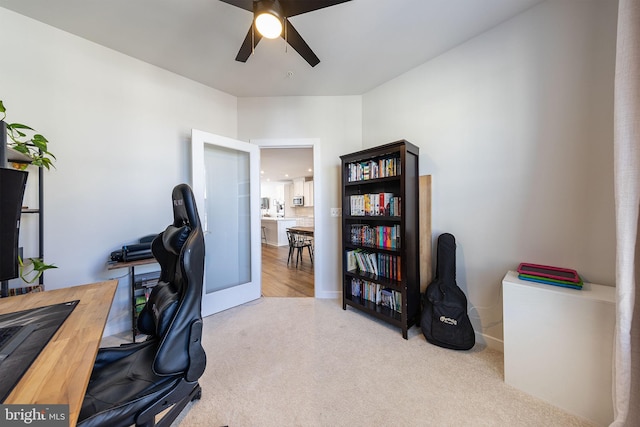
34, 415
448, 320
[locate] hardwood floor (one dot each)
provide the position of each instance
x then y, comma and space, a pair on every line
282, 280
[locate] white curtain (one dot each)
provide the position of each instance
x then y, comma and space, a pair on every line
626, 388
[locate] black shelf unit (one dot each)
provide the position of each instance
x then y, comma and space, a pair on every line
392, 278
139, 289
143, 284
11, 156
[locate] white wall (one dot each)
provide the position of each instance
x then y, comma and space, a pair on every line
515, 126
120, 129
336, 122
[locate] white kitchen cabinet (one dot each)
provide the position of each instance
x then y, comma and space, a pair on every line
308, 193
276, 230
298, 187
288, 199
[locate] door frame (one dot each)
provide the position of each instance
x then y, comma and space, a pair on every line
313, 143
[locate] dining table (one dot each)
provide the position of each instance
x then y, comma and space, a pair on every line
305, 231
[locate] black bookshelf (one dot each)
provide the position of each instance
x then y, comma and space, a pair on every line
380, 233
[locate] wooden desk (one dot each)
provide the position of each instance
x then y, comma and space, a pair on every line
61, 372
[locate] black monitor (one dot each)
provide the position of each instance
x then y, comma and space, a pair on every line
12, 185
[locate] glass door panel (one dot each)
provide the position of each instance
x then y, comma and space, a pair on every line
226, 183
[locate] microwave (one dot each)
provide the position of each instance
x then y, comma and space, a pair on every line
298, 201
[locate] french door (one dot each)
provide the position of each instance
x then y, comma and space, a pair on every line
226, 185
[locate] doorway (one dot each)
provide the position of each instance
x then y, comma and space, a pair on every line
287, 173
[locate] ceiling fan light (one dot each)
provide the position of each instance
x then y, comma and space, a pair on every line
269, 25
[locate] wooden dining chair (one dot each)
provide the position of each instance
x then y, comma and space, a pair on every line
297, 243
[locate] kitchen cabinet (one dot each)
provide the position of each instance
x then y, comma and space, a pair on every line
298, 187
308, 193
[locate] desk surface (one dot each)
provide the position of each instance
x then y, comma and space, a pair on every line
61, 372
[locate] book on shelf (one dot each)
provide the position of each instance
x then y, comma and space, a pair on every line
352, 263
382, 236
382, 265
374, 168
374, 204
376, 293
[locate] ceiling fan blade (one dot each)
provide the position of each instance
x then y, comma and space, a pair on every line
297, 7
246, 49
242, 4
293, 37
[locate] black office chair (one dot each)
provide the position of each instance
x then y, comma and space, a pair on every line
297, 243
133, 383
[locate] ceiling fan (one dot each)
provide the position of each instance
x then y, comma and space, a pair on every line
271, 20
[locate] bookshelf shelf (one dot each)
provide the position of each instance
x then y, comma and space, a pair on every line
371, 277
380, 312
373, 218
380, 233
373, 181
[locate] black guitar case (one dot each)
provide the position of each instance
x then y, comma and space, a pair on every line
444, 320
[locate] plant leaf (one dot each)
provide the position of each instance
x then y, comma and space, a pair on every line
39, 265
39, 138
20, 126
21, 148
40, 144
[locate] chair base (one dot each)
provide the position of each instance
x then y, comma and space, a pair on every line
147, 417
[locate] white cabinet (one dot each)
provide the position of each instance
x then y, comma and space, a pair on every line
276, 230
298, 187
308, 193
288, 199
558, 344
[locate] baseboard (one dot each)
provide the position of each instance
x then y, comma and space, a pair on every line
489, 342
328, 295
481, 339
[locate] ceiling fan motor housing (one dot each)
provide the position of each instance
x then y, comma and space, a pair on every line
268, 18
268, 6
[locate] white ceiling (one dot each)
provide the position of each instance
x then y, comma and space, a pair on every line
361, 44
285, 164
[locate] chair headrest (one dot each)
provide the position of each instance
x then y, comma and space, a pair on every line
184, 207
174, 238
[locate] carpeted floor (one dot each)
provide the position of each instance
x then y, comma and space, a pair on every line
306, 362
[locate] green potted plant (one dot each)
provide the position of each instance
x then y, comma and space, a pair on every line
26, 147
27, 142
30, 275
